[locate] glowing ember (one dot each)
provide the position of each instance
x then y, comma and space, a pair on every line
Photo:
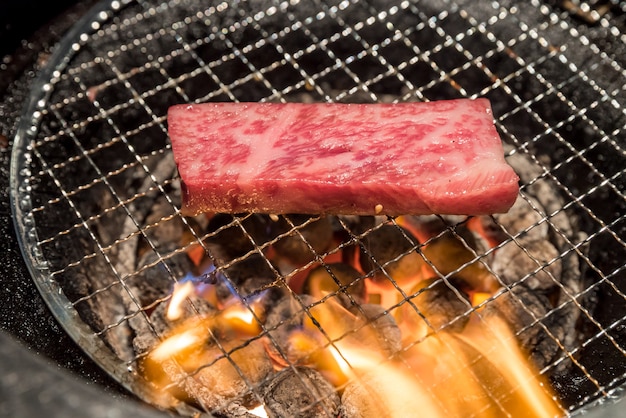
386, 294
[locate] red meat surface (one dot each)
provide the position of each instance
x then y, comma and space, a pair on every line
441, 157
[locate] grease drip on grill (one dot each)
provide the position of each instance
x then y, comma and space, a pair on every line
298, 315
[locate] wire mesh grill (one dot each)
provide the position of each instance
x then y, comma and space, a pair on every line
96, 193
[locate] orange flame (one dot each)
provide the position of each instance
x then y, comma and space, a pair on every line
181, 292
478, 371
239, 319
177, 353
177, 343
185, 349
524, 392
387, 389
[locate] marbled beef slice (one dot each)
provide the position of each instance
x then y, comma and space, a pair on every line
441, 157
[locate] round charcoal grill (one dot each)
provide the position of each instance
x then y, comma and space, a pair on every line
96, 194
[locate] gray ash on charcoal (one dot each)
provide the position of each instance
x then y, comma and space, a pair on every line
560, 277
530, 257
235, 373
536, 263
361, 399
524, 220
224, 377
365, 398
301, 392
209, 376
537, 326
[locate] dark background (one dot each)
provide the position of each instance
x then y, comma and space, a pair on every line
20, 19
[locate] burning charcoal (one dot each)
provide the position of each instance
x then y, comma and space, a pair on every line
360, 399
148, 335
479, 370
304, 338
439, 307
152, 282
246, 407
328, 328
347, 226
248, 279
206, 377
155, 278
524, 215
188, 366
525, 311
386, 244
483, 369
231, 241
289, 310
427, 226
144, 341
448, 253
380, 326
295, 248
193, 306
385, 393
355, 224
327, 279
167, 315
516, 262
282, 320
228, 381
301, 392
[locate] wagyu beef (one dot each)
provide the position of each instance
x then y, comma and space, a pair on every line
412, 158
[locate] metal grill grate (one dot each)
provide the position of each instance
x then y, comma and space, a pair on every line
96, 194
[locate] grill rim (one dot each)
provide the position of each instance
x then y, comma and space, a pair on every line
56, 300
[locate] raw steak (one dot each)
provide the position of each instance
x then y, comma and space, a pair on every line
411, 158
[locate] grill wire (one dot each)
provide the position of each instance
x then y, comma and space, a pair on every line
95, 186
